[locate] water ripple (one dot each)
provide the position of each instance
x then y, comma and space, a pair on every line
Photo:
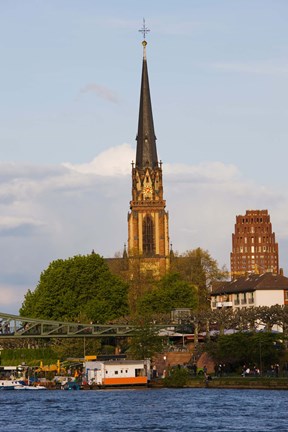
182, 410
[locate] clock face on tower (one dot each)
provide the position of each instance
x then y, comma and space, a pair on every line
147, 190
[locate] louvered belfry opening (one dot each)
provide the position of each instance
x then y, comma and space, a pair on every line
148, 236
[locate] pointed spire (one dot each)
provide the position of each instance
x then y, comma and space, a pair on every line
146, 153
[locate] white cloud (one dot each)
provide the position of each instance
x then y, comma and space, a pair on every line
57, 212
11, 225
115, 161
203, 172
203, 213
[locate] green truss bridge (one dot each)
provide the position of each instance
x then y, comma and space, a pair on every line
17, 327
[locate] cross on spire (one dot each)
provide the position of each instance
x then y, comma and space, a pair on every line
144, 30
146, 139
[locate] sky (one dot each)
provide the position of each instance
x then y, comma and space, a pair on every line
70, 86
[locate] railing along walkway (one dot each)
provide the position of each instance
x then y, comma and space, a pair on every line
13, 326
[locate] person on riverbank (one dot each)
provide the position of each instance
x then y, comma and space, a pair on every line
246, 372
276, 370
194, 368
219, 370
205, 371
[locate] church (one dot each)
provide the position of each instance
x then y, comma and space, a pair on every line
148, 230
148, 250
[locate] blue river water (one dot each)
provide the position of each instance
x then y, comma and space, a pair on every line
144, 410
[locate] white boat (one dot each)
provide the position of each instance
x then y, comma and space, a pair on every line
20, 386
17, 385
8, 384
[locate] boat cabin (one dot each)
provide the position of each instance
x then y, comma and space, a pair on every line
117, 372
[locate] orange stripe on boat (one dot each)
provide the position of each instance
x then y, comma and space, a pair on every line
125, 381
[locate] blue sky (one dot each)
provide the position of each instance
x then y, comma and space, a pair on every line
70, 83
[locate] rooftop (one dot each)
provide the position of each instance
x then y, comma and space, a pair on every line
253, 282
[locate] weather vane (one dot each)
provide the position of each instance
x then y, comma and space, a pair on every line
144, 30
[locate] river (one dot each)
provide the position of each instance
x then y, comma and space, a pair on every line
144, 410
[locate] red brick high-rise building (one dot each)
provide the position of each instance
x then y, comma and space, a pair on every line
254, 248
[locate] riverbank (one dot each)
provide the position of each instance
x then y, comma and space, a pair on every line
234, 382
241, 383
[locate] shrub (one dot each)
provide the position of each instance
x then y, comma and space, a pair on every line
177, 377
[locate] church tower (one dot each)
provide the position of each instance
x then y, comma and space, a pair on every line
148, 233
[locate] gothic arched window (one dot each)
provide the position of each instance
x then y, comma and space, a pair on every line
148, 236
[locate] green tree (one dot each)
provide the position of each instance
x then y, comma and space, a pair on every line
223, 319
140, 283
177, 377
199, 268
75, 347
169, 293
250, 348
283, 319
78, 286
246, 319
269, 316
147, 341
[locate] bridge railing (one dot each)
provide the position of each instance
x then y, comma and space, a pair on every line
15, 327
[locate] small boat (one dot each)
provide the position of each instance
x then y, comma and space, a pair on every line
120, 373
18, 385
23, 385
29, 387
8, 384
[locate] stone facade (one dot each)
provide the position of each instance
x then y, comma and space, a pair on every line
254, 248
148, 230
148, 235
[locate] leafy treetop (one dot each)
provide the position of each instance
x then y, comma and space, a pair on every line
78, 286
171, 292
